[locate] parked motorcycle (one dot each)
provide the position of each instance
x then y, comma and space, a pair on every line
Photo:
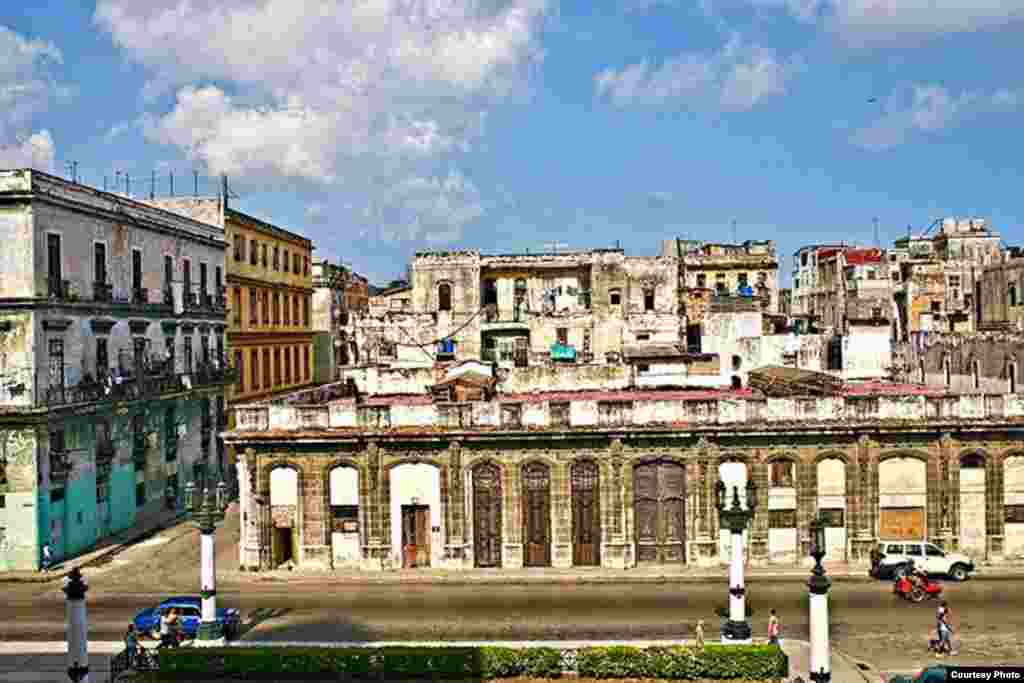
917, 590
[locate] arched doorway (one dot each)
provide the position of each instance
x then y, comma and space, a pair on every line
416, 514
902, 494
973, 526
832, 507
734, 476
284, 498
1013, 493
487, 515
586, 514
536, 515
659, 489
344, 522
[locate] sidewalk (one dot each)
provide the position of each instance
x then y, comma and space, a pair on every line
844, 670
577, 575
105, 549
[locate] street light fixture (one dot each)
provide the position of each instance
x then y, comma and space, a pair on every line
735, 518
821, 667
207, 511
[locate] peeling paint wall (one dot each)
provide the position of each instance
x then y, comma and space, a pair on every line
991, 363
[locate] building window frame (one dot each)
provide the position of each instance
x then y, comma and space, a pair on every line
254, 252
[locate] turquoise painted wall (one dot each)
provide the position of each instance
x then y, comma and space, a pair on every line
122, 497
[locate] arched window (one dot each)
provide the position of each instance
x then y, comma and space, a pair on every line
444, 297
976, 373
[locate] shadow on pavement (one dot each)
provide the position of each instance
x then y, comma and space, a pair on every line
284, 625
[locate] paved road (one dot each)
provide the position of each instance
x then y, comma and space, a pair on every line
867, 619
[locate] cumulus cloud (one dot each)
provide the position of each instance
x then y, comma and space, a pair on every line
26, 86
428, 208
369, 95
929, 109
735, 78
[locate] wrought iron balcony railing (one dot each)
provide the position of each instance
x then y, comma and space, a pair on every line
102, 291
140, 295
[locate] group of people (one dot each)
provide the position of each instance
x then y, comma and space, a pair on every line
773, 630
170, 635
944, 645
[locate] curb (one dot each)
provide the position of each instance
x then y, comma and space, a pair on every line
106, 553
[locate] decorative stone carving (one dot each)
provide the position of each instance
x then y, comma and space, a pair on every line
373, 464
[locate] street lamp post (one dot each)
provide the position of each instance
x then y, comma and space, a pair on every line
821, 665
206, 513
74, 588
735, 518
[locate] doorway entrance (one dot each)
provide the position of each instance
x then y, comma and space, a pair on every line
487, 515
537, 514
283, 549
586, 515
415, 536
658, 505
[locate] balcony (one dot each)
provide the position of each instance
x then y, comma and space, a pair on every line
58, 290
191, 300
105, 451
103, 291
206, 301
168, 296
140, 295
151, 384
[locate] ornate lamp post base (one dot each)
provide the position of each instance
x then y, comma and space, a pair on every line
209, 634
736, 633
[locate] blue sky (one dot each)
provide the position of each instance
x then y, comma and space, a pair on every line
379, 128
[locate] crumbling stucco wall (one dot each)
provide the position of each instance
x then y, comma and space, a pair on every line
978, 362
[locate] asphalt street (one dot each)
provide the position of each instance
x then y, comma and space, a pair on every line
866, 618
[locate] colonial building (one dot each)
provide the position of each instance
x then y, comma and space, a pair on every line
626, 477
112, 363
805, 277
340, 298
750, 268
1002, 294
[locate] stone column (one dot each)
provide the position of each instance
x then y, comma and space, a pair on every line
821, 663
806, 476
995, 508
75, 588
210, 633
737, 585
759, 528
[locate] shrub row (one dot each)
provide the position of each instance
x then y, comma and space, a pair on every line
713, 662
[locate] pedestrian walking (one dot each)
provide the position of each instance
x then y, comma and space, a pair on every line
47, 557
944, 629
168, 629
773, 629
700, 633
131, 645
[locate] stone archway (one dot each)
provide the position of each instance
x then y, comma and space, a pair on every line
344, 520
902, 498
417, 527
972, 518
285, 523
831, 505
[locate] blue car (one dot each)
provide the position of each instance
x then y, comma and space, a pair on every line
147, 622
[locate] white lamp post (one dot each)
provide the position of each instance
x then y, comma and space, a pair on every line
821, 664
735, 519
78, 627
206, 513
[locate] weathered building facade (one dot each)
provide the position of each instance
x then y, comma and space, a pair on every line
749, 269
618, 479
112, 362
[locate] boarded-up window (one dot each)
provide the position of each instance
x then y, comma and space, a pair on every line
832, 517
444, 297
1015, 514
559, 414
782, 519
613, 413
901, 523
782, 473
344, 518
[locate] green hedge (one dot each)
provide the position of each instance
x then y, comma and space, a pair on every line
715, 662
730, 662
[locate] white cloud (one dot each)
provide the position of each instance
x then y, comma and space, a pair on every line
876, 23
735, 78
26, 86
928, 109
366, 94
35, 151
316, 213
433, 209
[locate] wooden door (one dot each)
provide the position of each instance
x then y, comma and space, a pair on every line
537, 514
586, 514
487, 515
901, 524
658, 490
415, 536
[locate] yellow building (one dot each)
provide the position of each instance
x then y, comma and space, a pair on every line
269, 290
